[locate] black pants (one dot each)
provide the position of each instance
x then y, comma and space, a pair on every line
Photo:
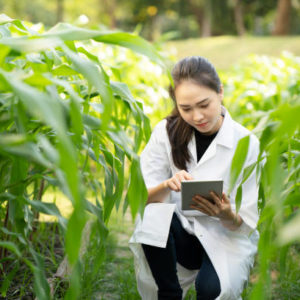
185, 249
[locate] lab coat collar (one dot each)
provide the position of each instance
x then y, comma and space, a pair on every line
225, 135
223, 138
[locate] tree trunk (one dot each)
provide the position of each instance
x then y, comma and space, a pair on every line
60, 11
198, 13
207, 19
282, 22
239, 17
203, 14
110, 8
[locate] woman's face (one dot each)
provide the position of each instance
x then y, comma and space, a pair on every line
199, 106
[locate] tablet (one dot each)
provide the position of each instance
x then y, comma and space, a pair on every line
189, 188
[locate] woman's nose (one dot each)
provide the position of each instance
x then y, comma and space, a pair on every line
197, 116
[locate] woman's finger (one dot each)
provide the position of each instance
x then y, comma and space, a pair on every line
202, 209
225, 198
206, 204
177, 183
205, 201
216, 199
173, 186
180, 177
187, 176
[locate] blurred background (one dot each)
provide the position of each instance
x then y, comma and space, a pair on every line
154, 18
221, 30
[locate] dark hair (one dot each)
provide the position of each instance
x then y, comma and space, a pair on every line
200, 71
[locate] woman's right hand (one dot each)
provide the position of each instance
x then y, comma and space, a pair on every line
174, 183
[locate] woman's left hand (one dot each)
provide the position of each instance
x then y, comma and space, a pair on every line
221, 208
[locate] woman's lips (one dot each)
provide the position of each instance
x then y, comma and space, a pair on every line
202, 125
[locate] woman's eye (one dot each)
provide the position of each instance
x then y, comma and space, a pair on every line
186, 109
204, 106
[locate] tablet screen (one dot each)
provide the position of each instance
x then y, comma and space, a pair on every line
190, 188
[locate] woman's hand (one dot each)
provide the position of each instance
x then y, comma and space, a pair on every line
174, 183
159, 193
221, 208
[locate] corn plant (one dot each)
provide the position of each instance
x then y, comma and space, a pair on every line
64, 124
263, 94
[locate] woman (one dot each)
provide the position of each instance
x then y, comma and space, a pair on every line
211, 245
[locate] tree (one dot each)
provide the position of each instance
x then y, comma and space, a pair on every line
239, 17
202, 10
110, 10
282, 23
60, 11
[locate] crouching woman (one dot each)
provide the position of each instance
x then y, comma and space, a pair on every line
212, 245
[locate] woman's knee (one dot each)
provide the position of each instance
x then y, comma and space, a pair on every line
207, 289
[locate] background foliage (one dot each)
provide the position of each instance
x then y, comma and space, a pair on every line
184, 18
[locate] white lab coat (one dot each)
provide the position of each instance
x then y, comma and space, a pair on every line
231, 252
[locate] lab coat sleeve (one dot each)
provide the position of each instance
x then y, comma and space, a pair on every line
155, 163
249, 205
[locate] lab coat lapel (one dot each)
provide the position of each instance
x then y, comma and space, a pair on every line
192, 149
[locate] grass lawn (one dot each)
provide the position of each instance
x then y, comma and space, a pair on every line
224, 51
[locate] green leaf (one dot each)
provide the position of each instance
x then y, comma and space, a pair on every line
98, 78
17, 187
14, 234
12, 139
73, 235
121, 139
38, 103
63, 70
48, 209
11, 247
29, 151
8, 279
248, 171
49, 151
289, 232
76, 120
238, 198
120, 164
238, 160
41, 286
75, 283
4, 51
5, 19
25, 44
68, 32
137, 192
267, 136
37, 80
